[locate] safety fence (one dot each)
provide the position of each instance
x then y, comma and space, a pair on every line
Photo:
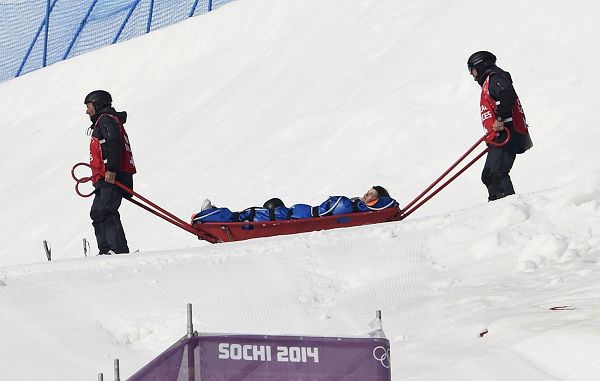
37, 33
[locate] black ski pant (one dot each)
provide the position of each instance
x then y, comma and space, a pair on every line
107, 220
495, 175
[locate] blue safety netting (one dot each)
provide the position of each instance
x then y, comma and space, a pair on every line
38, 33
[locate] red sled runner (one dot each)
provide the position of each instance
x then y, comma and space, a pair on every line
216, 232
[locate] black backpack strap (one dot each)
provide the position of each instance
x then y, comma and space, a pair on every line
272, 214
355, 205
315, 211
250, 217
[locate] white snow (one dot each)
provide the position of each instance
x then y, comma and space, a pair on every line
301, 100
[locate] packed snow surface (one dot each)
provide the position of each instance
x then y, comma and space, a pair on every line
302, 100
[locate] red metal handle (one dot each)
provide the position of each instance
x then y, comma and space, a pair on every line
501, 143
415, 204
456, 163
146, 205
81, 180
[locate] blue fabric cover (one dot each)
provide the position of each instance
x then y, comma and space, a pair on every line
300, 211
264, 214
214, 215
336, 205
254, 214
281, 213
382, 203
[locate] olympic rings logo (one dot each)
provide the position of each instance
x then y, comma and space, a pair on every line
382, 355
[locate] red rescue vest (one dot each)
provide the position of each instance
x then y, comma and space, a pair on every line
488, 112
98, 163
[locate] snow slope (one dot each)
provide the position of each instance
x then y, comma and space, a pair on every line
301, 100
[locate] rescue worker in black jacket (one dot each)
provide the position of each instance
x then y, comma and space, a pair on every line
500, 110
111, 160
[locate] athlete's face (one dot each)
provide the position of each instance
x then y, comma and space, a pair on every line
90, 109
370, 196
473, 72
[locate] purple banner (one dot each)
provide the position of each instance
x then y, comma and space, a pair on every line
271, 358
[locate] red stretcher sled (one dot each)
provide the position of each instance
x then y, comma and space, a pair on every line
216, 232
238, 231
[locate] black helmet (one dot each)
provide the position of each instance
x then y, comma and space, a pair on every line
381, 191
481, 59
100, 99
273, 203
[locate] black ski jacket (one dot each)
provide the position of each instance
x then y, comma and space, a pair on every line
501, 89
108, 130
